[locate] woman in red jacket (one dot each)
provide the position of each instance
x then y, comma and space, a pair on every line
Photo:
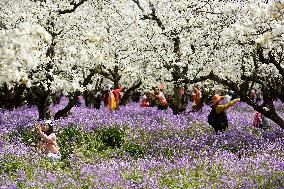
113, 98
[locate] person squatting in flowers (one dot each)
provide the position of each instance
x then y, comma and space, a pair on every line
48, 142
145, 102
217, 118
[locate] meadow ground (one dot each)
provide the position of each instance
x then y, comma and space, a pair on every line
142, 148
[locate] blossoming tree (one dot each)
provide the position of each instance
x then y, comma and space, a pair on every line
239, 45
41, 47
254, 40
48, 46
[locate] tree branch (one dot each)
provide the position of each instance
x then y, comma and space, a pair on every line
139, 5
152, 16
275, 63
75, 6
127, 93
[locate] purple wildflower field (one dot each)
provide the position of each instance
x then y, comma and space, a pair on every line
147, 148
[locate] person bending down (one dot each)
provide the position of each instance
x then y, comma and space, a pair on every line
48, 143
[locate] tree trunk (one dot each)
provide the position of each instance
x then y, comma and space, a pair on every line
116, 83
88, 99
43, 112
65, 111
56, 97
177, 100
126, 95
12, 98
43, 103
176, 73
276, 118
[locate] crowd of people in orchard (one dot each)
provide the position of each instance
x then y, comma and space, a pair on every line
217, 118
155, 97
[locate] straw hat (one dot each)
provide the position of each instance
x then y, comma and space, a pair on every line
216, 98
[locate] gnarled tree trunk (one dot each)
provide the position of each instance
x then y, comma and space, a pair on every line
65, 111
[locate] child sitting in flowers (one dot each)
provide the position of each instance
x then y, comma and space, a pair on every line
48, 137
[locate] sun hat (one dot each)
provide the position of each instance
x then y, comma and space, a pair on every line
108, 87
266, 109
49, 122
216, 98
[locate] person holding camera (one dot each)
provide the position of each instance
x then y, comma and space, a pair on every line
48, 139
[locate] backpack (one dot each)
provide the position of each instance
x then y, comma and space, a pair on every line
211, 118
215, 119
259, 121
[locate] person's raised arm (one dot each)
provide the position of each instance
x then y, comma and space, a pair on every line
44, 136
220, 108
119, 89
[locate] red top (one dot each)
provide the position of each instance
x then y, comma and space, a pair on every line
257, 119
145, 102
116, 93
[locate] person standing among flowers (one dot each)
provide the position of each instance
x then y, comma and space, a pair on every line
196, 95
217, 118
259, 121
160, 98
105, 94
116, 95
113, 99
48, 137
252, 95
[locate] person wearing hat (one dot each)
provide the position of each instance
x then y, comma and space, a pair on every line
48, 137
218, 117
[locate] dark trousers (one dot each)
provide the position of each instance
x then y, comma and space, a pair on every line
220, 127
